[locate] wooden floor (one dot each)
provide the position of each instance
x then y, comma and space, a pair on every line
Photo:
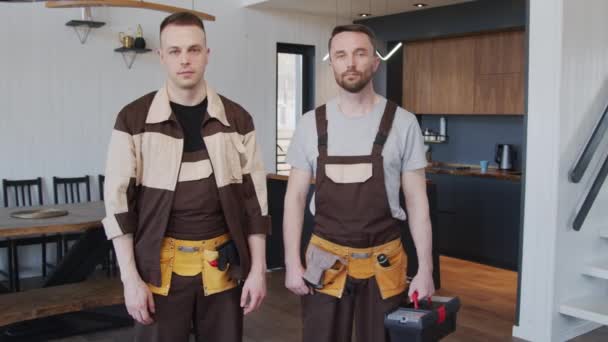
488, 298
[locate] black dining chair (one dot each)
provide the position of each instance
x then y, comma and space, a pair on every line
23, 194
73, 188
101, 179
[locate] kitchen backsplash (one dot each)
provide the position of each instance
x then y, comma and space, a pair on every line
472, 138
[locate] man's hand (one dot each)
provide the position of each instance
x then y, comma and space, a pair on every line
139, 301
254, 291
294, 280
423, 284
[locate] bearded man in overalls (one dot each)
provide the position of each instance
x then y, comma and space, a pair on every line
360, 148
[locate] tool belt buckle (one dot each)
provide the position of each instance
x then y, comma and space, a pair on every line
188, 249
360, 255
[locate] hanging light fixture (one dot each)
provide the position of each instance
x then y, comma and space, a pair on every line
384, 58
392, 52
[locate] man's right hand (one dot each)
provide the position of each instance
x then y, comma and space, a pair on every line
294, 280
139, 301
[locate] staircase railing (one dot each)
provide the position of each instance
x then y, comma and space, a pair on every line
582, 164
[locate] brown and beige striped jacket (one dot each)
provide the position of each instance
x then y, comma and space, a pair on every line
145, 162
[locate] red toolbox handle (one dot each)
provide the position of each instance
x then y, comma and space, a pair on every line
441, 313
415, 300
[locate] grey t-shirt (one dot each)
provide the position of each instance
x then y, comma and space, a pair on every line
348, 136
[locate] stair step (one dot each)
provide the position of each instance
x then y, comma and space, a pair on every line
604, 233
592, 308
598, 269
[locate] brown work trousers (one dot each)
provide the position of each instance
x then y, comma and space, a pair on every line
215, 318
330, 319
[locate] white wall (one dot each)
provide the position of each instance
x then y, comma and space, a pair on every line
568, 90
59, 98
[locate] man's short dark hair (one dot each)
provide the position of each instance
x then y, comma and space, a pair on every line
353, 28
182, 19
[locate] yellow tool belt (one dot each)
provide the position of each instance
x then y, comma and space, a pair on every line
189, 258
362, 263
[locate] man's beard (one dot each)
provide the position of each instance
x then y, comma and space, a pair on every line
356, 86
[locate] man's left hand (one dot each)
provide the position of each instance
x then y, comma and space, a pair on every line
254, 291
423, 284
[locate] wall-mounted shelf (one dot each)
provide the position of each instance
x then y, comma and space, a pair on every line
89, 23
435, 139
85, 26
129, 54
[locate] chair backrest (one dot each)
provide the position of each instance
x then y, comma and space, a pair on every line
102, 180
22, 189
71, 189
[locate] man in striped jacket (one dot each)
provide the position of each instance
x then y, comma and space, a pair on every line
186, 203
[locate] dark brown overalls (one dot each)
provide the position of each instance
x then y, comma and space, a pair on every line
353, 220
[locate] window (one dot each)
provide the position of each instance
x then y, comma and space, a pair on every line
295, 95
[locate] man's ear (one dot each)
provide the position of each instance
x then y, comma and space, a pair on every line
377, 61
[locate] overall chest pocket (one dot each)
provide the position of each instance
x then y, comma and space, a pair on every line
349, 173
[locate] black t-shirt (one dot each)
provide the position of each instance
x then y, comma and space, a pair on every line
191, 120
196, 212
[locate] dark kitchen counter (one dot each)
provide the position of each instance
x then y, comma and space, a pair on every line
471, 171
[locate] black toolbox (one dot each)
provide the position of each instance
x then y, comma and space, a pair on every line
429, 321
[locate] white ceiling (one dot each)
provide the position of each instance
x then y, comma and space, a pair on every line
348, 8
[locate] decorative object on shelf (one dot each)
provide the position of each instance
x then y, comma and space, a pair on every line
140, 42
83, 27
126, 3
131, 46
129, 54
38, 213
125, 40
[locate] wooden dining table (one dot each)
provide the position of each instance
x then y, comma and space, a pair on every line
75, 267
80, 218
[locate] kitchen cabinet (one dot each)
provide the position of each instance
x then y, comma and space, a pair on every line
499, 88
481, 74
417, 77
478, 219
453, 76
499, 94
500, 53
